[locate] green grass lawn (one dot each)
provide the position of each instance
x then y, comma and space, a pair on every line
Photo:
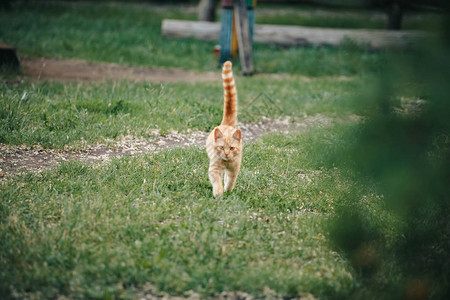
87, 231
310, 16
55, 114
131, 35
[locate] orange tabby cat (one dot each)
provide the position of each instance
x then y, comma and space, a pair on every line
224, 143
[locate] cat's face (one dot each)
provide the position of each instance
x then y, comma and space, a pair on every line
226, 146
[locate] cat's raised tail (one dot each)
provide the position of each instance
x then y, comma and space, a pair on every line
230, 96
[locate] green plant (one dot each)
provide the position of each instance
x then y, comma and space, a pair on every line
401, 153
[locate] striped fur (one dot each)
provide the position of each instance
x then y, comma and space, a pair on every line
229, 95
224, 143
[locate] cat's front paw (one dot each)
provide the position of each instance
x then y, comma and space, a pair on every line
217, 192
227, 189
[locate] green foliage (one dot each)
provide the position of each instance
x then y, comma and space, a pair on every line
401, 153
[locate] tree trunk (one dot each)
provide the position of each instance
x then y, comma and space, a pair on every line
395, 15
207, 10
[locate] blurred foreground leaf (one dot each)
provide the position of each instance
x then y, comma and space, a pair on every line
401, 152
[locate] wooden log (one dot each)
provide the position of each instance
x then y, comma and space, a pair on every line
244, 38
297, 35
284, 35
206, 31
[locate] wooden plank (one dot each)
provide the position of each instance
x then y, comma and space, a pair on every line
243, 35
284, 35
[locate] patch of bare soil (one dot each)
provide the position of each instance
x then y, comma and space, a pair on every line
20, 159
80, 70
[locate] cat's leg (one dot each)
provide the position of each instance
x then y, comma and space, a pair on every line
230, 178
215, 176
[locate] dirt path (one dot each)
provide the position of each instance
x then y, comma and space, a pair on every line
19, 159
80, 70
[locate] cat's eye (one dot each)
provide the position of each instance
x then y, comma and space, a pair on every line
220, 147
232, 148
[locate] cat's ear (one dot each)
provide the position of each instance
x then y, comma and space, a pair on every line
217, 134
237, 135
